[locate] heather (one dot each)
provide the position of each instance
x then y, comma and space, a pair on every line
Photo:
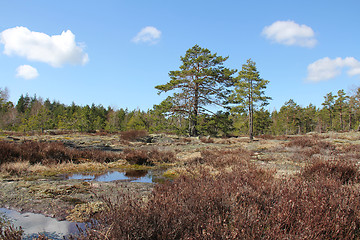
280, 187
242, 202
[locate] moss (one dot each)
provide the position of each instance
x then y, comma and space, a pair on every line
72, 200
171, 174
84, 212
30, 178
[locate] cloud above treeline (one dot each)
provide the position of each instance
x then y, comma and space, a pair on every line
55, 50
148, 34
326, 68
27, 72
290, 33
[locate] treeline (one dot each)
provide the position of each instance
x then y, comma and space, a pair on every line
339, 112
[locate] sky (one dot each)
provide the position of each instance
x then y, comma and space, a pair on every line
114, 52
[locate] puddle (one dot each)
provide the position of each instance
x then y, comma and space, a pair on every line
33, 224
142, 176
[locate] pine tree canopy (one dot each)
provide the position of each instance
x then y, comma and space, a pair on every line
201, 81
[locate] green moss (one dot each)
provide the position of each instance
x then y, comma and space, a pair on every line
171, 174
31, 178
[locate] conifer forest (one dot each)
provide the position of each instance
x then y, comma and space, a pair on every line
209, 99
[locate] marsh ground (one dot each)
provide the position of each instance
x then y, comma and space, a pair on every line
40, 188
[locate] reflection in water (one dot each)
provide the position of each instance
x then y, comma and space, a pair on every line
32, 224
131, 176
136, 173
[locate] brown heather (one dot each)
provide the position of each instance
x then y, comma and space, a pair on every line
49, 153
148, 157
306, 141
132, 135
248, 202
207, 140
9, 232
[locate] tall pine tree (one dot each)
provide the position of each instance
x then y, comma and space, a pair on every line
201, 81
248, 92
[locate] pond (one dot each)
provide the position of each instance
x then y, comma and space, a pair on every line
142, 176
32, 224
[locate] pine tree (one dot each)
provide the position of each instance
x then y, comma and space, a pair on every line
329, 105
201, 81
249, 90
340, 106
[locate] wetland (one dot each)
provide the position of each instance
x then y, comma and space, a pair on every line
71, 177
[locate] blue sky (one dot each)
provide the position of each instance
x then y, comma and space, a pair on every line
114, 52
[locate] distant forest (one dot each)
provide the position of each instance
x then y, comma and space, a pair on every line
339, 112
201, 81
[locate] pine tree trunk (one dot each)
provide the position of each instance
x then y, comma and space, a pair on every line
251, 123
341, 121
194, 132
350, 121
251, 113
331, 121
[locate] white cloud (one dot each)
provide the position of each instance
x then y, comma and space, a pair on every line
27, 72
148, 35
326, 68
290, 33
55, 50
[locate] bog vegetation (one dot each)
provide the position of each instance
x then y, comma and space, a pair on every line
223, 193
243, 201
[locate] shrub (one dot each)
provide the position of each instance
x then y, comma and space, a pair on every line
132, 135
335, 170
301, 142
148, 157
352, 148
304, 142
49, 153
224, 158
206, 140
139, 157
266, 136
8, 231
246, 203
161, 156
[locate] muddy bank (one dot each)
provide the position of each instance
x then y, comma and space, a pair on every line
58, 198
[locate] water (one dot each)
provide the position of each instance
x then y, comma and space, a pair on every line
143, 176
33, 224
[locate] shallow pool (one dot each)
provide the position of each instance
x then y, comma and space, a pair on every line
129, 176
33, 224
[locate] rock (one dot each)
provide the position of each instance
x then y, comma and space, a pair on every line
161, 138
156, 138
